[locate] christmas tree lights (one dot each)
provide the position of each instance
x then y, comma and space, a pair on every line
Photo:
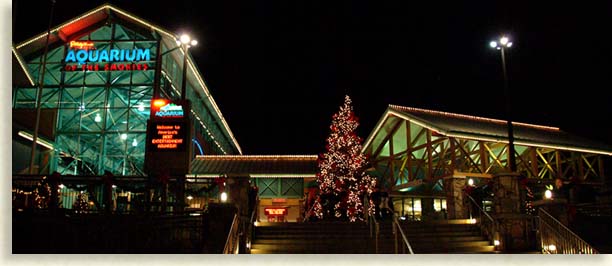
341, 177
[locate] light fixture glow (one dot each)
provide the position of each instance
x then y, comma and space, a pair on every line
493, 44
472, 221
39, 141
140, 107
194, 42
223, 197
134, 143
114, 186
256, 223
62, 186
185, 39
496, 242
403, 218
98, 118
548, 194
159, 102
509, 45
471, 182
123, 136
503, 40
552, 247
189, 197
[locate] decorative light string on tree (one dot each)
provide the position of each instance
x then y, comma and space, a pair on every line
341, 177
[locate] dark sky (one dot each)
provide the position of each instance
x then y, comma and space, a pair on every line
279, 69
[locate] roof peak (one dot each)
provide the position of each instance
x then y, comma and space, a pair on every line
470, 117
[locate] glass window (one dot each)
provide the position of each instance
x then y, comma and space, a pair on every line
292, 187
25, 98
439, 204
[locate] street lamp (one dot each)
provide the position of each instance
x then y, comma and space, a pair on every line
503, 44
185, 42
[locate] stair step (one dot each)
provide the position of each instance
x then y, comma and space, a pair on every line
444, 239
436, 237
268, 251
301, 241
311, 249
462, 250
338, 237
445, 234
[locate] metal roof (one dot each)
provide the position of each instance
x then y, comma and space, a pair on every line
486, 129
254, 165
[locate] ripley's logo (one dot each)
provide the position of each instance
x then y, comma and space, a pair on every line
170, 110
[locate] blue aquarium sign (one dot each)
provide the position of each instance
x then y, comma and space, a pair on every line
88, 58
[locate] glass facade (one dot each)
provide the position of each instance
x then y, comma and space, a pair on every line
101, 107
280, 187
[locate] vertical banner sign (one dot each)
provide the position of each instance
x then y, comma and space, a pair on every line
168, 139
167, 136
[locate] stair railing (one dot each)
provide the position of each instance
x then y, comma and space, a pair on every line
374, 231
372, 222
555, 238
233, 237
251, 225
405, 243
488, 226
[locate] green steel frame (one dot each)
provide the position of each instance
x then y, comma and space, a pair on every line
102, 115
405, 154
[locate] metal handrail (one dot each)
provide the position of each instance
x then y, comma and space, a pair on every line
252, 220
493, 227
480, 209
374, 230
555, 238
231, 244
405, 242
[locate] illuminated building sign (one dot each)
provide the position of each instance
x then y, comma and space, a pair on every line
87, 57
82, 45
275, 211
167, 136
164, 109
170, 110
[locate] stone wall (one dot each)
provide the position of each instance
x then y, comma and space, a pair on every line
455, 203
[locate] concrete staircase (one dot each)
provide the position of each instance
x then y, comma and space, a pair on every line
437, 237
312, 238
453, 236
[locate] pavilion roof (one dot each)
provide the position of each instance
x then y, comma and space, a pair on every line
254, 165
487, 129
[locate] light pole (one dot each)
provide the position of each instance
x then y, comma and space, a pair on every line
39, 96
185, 41
503, 44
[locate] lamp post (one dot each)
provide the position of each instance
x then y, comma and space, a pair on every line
501, 45
39, 96
185, 41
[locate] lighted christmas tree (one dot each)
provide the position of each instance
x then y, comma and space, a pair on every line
341, 177
80, 205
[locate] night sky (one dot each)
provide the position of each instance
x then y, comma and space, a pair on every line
278, 70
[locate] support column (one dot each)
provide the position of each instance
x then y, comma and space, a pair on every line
427, 208
238, 189
516, 233
453, 188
